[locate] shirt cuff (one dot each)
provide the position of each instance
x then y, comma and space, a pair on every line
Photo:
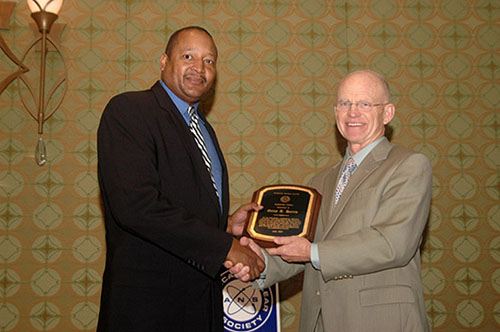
261, 279
315, 256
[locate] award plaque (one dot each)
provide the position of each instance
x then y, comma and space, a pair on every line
289, 210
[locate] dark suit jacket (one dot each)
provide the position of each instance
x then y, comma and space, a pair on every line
165, 231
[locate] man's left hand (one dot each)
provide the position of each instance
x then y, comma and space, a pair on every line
293, 249
236, 222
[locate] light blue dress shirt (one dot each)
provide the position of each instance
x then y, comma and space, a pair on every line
182, 107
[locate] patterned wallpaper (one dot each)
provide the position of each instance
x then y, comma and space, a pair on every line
280, 62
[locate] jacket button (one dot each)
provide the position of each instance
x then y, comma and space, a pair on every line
317, 292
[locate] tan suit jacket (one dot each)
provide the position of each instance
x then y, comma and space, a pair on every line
370, 278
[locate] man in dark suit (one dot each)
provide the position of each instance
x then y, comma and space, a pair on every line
165, 192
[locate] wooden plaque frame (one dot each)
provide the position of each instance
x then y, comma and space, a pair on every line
289, 210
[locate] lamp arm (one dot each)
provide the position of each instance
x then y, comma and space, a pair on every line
23, 69
56, 85
27, 84
41, 96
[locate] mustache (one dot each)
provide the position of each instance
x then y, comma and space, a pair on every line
203, 78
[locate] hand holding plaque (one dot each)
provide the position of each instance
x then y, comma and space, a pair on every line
289, 210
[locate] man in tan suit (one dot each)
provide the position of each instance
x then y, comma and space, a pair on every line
362, 271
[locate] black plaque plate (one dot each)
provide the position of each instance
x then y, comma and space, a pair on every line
289, 210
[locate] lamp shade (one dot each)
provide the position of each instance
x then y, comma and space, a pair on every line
51, 6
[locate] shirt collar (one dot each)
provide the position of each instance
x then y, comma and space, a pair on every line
360, 156
181, 105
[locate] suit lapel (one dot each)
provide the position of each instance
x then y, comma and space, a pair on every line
187, 139
329, 195
371, 162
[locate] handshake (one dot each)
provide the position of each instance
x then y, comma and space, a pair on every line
245, 259
249, 257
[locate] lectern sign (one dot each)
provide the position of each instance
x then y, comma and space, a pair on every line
289, 210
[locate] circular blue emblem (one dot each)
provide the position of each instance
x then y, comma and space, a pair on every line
245, 308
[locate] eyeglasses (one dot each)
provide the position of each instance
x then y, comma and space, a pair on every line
362, 106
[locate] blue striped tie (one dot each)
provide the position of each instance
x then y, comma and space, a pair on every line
194, 127
349, 168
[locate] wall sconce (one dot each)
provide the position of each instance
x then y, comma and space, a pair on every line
44, 13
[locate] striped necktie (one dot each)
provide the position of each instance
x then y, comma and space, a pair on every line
194, 127
349, 168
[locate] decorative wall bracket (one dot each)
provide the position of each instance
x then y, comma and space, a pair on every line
44, 13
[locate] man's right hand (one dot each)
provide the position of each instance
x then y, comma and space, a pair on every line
243, 255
